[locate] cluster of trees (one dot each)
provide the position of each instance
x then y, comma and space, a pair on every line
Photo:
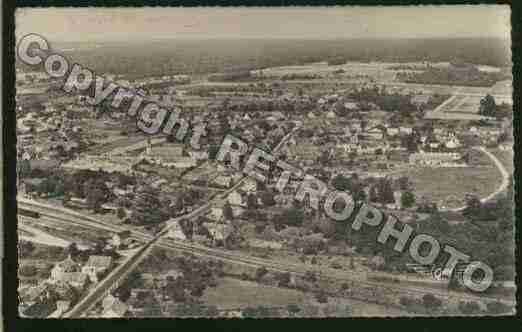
448, 76
488, 107
385, 101
382, 191
52, 186
493, 308
135, 60
148, 209
352, 184
187, 288
25, 248
99, 248
428, 304
488, 235
290, 217
296, 76
197, 276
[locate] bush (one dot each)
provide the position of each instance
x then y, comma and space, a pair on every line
497, 308
336, 265
430, 302
469, 308
293, 309
310, 276
407, 301
260, 273
321, 297
283, 279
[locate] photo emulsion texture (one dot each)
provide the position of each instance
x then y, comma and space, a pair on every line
264, 162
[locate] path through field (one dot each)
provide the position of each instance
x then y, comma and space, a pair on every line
505, 178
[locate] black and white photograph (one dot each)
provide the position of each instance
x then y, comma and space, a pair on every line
262, 162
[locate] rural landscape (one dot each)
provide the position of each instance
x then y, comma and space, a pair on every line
114, 222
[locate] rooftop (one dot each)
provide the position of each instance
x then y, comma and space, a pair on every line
99, 261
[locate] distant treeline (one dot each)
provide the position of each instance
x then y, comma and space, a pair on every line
146, 58
449, 76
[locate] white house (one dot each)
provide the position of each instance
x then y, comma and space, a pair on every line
96, 266
406, 130
113, 307
66, 266
392, 131
175, 231
235, 198
216, 213
351, 106
219, 231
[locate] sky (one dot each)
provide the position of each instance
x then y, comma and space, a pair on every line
124, 24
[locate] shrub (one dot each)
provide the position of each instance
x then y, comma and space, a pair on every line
293, 309
407, 301
469, 308
497, 308
310, 276
283, 279
261, 272
431, 303
321, 297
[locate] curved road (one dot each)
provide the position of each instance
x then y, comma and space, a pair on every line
503, 185
132, 261
505, 175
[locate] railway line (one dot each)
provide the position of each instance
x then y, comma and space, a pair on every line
360, 279
119, 274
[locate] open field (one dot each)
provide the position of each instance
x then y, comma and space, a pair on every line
234, 293
468, 105
49, 232
448, 186
505, 157
376, 70
462, 104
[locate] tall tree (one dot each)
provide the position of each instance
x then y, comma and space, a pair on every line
228, 214
407, 199
487, 106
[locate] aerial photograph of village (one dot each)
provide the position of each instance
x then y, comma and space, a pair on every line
289, 162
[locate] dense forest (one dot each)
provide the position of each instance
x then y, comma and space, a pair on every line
168, 57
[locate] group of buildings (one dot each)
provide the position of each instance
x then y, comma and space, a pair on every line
68, 280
